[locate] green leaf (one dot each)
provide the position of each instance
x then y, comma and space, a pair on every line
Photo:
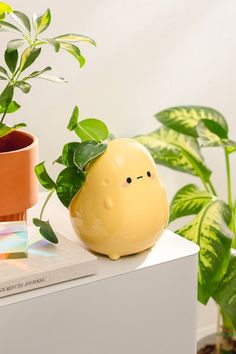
225, 294
15, 44
43, 177
73, 123
11, 59
12, 107
42, 22
28, 57
75, 38
184, 119
3, 71
92, 129
37, 73
75, 51
188, 200
58, 160
5, 129
59, 80
6, 97
24, 86
176, 151
22, 20
52, 42
69, 182
86, 152
46, 230
67, 157
5, 8
8, 27
211, 134
3, 78
210, 230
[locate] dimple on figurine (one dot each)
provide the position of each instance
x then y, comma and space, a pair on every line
122, 206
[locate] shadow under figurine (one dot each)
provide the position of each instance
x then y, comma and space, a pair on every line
122, 207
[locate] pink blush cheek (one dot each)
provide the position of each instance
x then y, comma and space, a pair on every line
125, 184
153, 177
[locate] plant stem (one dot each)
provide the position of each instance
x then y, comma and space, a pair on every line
4, 114
45, 203
212, 188
230, 202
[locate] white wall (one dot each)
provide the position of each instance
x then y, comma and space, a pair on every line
151, 54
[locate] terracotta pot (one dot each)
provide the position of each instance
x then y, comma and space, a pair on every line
18, 183
122, 207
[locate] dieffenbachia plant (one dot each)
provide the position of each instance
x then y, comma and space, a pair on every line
178, 144
92, 135
30, 38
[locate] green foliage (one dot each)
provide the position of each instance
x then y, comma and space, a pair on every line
46, 230
75, 159
177, 144
189, 200
210, 230
32, 43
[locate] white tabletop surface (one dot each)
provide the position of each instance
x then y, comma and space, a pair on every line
170, 247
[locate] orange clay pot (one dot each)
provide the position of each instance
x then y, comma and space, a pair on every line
18, 183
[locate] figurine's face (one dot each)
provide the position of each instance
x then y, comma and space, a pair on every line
122, 198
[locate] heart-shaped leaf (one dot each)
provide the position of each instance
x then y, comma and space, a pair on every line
42, 22
176, 151
225, 294
6, 97
22, 19
28, 57
188, 200
12, 107
46, 230
68, 153
69, 182
86, 152
210, 230
24, 86
75, 38
5, 129
15, 44
212, 134
8, 27
43, 177
73, 123
92, 129
184, 119
11, 59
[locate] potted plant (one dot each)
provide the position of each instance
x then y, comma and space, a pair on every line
18, 149
116, 201
178, 144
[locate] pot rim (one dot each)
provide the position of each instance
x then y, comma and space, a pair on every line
29, 147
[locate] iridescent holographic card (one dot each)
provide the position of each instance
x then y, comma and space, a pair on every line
13, 240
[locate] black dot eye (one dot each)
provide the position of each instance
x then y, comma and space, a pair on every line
128, 180
149, 174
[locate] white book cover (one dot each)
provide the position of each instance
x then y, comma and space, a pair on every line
42, 263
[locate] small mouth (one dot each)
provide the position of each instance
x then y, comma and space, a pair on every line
139, 177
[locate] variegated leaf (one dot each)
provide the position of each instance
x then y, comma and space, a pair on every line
188, 200
210, 230
225, 294
176, 151
211, 134
184, 119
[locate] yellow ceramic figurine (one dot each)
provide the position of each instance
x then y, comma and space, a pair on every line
122, 207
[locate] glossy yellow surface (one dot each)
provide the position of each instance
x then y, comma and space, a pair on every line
114, 217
